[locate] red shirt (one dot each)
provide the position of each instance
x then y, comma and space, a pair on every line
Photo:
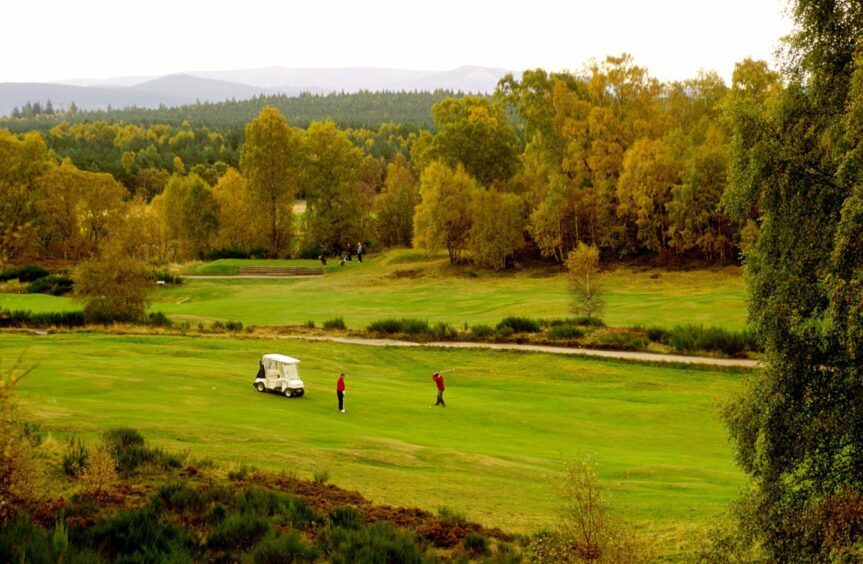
439, 381
340, 385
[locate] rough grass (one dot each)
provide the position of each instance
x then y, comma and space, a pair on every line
493, 453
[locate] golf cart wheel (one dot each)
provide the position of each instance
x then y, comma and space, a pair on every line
288, 392
259, 386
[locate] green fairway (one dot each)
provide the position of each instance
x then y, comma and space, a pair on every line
382, 288
37, 303
408, 284
494, 452
230, 267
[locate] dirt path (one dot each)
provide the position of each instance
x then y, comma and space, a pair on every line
617, 355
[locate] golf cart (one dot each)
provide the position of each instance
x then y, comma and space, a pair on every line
279, 373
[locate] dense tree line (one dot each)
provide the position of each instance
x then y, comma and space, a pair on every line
362, 109
610, 157
621, 161
34, 109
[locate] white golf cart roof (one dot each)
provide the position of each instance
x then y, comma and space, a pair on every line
281, 358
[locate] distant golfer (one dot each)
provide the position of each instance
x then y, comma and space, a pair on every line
360, 251
340, 392
438, 380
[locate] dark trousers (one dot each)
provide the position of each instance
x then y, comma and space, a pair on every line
440, 400
341, 400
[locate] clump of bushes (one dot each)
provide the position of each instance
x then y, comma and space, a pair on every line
226, 253
76, 457
378, 542
26, 273
482, 331
588, 321
235, 326
130, 451
53, 284
443, 332
138, 535
504, 332
621, 340
158, 319
347, 517
451, 516
406, 326
385, 326
476, 544
563, 332
335, 323
238, 530
178, 497
20, 318
167, 277
690, 338
289, 547
127, 447
657, 335
519, 325
241, 473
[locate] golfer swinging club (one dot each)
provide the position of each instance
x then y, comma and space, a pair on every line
438, 380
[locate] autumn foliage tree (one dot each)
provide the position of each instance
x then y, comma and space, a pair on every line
22, 162
269, 162
15, 479
335, 202
239, 225
473, 132
394, 207
497, 229
113, 288
443, 219
588, 296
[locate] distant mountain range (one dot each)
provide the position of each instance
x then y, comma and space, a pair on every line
217, 86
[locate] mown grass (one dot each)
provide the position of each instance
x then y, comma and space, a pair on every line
230, 267
378, 289
493, 453
361, 294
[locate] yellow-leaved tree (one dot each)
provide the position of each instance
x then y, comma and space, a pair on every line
443, 218
498, 227
582, 265
396, 203
269, 161
239, 225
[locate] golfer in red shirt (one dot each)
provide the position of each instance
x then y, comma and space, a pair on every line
340, 392
438, 380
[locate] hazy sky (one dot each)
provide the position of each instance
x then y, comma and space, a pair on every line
62, 39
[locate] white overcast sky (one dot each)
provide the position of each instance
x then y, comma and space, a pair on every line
53, 40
